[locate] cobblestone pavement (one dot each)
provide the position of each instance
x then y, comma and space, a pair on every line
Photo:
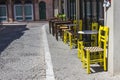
67, 66
22, 52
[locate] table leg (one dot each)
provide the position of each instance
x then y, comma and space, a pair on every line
56, 32
53, 28
50, 27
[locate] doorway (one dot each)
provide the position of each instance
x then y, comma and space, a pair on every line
42, 10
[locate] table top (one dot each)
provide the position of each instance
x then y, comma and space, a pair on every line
70, 24
61, 22
88, 32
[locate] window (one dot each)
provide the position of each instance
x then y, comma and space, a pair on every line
3, 13
28, 12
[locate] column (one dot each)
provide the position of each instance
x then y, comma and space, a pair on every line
23, 2
10, 11
36, 10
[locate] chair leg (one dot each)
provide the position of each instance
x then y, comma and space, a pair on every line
70, 39
78, 50
100, 55
83, 60
64, 37
88, 62
105, 67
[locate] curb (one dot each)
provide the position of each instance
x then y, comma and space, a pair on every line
48, 61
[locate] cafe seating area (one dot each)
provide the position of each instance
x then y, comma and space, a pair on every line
91, 44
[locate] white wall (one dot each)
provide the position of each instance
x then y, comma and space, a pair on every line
113, 21
109, 21
116, 36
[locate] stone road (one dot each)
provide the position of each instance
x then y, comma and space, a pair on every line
22, 52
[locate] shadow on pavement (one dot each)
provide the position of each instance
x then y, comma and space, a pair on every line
9, 33
97, 69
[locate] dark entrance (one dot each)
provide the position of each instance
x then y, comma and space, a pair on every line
42, 10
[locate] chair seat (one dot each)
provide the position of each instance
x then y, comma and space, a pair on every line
66, 29
63, 27
94, 49
71, 32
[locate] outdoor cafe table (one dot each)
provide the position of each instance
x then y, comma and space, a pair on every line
51, 25
56, 28
70, 25
87, 32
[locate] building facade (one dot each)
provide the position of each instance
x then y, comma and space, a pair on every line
87, 10
25, 10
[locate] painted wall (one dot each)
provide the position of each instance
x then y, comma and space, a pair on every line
113, 21
109, 21
116, 37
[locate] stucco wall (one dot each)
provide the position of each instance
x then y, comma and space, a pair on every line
110, 23
116, 36
113, 21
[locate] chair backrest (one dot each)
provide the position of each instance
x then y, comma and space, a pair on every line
94, 36
74, 27
80, 28
103, 36
80, 25
94, 26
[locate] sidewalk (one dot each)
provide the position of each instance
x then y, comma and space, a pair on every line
67, 66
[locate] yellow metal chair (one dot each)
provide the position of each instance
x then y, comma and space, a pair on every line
100, 49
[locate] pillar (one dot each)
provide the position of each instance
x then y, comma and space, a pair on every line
10, 11
36, 10
23, 12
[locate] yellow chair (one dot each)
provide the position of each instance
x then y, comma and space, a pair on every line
66, 32
84, 42
94, 36
100, 49
73, 37
80, 50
